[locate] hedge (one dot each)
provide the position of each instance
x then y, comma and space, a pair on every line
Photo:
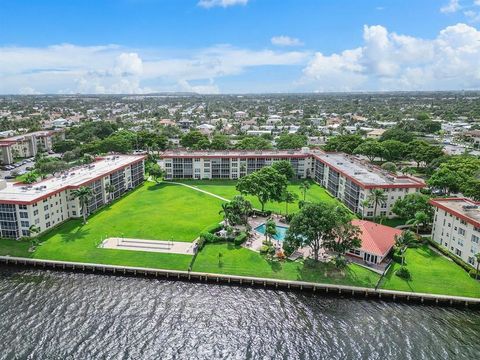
468, 268
240, 238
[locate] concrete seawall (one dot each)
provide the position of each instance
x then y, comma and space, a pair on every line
330, 289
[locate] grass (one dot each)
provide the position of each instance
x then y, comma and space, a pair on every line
158, 212
236, 260
432, 273
394, 222
226, 189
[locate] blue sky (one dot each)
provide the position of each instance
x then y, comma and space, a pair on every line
238, 46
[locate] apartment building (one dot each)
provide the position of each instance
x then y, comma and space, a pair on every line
456, 226
345, 177
352, 180
27, 145
47, 203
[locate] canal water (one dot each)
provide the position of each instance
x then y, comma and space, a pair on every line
62, 315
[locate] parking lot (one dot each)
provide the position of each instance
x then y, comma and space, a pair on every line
9, 172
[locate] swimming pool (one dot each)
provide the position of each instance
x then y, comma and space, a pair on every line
281, 231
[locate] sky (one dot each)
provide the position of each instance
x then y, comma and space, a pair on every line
238, 46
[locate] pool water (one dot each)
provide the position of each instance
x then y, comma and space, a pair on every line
281, 231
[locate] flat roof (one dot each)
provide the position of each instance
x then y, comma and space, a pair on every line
19, 193
463, 208
22, 136
233, 154
367, 175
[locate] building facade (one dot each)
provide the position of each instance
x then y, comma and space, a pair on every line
27, 145
456, 226
47, 203
345, 177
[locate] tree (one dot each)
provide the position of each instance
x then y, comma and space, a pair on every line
397, 134
316, 224
344, 143
226, 213
422, 152
471, 188
389, 166
304, 186
33, 229
194, 139
419, 220
239, 208
270, 229
407, 206
477, 257
289, 198
394, 150
291, 141
346, 236
285, 168
377, 197
220, 142
371, 149
403, 241
30, 177
254, 143
445, 179
267, 184
109, 189
83, 194
156, 172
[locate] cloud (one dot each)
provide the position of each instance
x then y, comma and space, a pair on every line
285, 41
452, 7
220, 3
68, 68
389, 61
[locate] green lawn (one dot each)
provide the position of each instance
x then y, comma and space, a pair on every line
226, 189
159, 212
236, 260
432, 273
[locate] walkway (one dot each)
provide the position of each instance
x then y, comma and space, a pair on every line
171, 247
197, 189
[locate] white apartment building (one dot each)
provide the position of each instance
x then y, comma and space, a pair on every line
456, 226
345, 177
48, 203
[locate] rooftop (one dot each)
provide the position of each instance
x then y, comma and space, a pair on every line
365, 174
376, 239
71, 179
22, 136
233, 153
463, 208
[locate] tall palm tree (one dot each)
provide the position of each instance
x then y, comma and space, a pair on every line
304, 186
377, 197
270, 229
226, 212
84, 194
403, 241
33, 229
419, 220
109, 189
365, 204
477, 257
289, 198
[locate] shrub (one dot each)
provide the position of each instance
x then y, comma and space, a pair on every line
289, 217
265, 213
264, 249
240, 238
210, 238
397, 257
214, 228
200, 243
473, 273
403, 273
448, 254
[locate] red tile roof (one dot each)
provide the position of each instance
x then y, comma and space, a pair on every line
376, 239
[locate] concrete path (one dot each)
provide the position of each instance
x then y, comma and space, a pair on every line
197, 189
171, 247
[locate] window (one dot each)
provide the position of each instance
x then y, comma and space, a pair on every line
22, 207
458, 252
45, 208
47, 224
35, 212
471, 260
47, 216
25, 223
25, 233
475, 239
461, 231
24, 215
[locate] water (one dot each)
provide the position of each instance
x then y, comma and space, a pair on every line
56, 315
281, 231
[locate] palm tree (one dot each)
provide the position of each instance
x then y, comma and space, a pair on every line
304, 186
403, 241
420, 219
270, 229
84, 194
109, 189
226, 212
33, 229
289, 198
377, 197
365, 204
477, 257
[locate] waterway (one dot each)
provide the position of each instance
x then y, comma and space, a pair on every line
64, 315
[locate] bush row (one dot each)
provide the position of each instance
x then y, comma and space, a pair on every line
468, 268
